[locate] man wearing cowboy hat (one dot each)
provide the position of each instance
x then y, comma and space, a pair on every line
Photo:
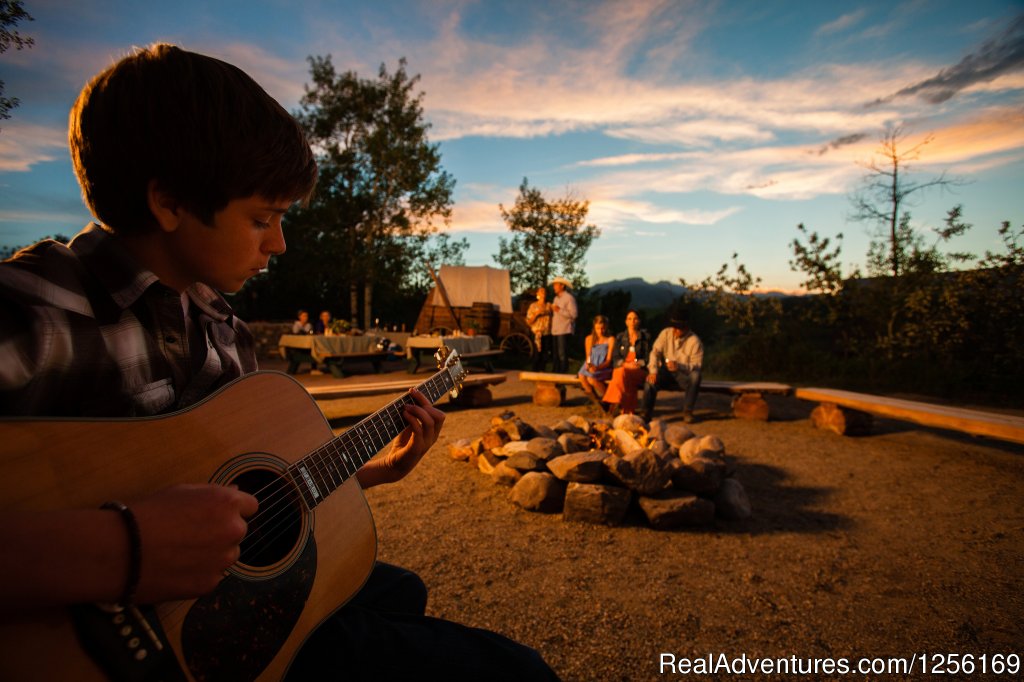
675, 364
563, 323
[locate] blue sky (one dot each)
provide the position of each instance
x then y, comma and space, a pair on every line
695, 129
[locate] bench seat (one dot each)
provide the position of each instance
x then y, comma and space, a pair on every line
749, 402
474, 389
848, 413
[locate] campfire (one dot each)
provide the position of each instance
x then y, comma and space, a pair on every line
593, 471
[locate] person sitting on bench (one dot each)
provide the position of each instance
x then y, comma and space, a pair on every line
675, 365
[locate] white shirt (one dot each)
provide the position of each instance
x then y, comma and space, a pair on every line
564, 319
687, 352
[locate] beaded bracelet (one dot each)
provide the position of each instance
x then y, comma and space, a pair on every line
134, 550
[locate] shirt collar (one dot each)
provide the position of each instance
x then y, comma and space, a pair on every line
126, 281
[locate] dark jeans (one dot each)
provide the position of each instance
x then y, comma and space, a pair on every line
560, 351
672, 381
383, 634
540, 360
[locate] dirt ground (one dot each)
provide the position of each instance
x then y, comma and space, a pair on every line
905, 542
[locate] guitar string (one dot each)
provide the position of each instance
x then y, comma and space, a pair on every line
281, 500
259, 521
267, 536
287, 493
289, 489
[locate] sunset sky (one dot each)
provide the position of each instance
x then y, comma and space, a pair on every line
695, 129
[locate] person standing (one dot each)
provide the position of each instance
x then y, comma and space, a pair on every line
538, 316
675, 364
563, 323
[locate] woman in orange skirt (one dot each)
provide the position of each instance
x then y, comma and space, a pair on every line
630, 352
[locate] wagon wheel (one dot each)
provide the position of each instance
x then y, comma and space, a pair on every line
518, 345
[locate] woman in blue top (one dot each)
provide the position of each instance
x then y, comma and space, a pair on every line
597, 368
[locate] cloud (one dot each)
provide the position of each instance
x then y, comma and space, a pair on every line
22, 145
840, 142
998, 56
841, 24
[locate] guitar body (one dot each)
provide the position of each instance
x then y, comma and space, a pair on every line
247, 434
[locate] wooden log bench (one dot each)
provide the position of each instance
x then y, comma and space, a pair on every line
848, 413
474, 391
748, 401
748, 396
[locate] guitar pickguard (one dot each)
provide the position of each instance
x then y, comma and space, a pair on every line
232, 634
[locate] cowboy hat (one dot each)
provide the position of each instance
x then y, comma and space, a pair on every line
563, 281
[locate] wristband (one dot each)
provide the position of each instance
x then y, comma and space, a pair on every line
134, 550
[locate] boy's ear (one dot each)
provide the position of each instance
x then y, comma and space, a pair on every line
164, 206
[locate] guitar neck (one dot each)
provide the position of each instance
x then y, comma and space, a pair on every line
324, 470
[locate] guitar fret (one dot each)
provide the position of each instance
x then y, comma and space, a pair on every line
325, 469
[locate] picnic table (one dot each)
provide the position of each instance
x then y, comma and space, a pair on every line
469, 347
333, 351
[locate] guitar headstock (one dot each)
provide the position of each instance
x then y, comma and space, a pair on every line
449, 359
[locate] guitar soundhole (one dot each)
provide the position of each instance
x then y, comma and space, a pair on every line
276, 528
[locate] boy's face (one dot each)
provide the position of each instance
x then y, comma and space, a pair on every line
239, 244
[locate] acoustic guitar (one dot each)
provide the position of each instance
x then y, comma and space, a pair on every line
309, 548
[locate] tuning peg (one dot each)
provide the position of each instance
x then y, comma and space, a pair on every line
442, 355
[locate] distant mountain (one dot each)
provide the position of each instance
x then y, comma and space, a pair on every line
643, 293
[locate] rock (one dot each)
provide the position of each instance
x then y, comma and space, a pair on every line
581, 423
497, 420
630, 423
700, 475
574, 442
625, 442
545, 448
842, 420
677, 434
641, 471
494, 438
506, 475
525, 461
461, 450
547, 394
675, 509
512, 447
591, 503
656, 429
663, 450
694, 446
582, 467
732, 502
516, 429
565, 427
546, 432
540, 492
487, 461
713, 443
751, 406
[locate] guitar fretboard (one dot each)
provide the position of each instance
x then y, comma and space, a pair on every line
321, 472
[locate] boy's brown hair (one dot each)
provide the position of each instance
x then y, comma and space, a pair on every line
201, 128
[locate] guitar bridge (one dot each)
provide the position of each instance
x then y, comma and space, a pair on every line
127, 643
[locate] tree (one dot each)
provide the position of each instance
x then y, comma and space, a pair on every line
549, 239
381, 180
11, 13
884, 196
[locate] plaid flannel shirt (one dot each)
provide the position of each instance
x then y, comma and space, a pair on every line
84, 331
